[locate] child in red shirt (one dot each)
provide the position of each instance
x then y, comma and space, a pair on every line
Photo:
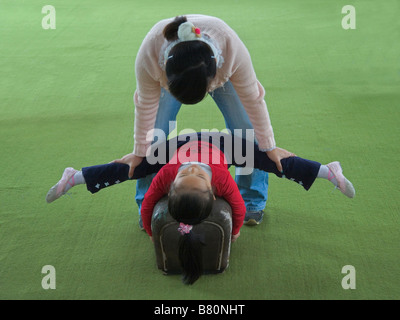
194, 175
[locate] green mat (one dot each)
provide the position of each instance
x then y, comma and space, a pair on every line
66, 100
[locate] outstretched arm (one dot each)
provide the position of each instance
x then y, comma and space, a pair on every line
159, 187
228, 189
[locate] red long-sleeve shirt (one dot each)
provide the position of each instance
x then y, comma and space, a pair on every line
223, 184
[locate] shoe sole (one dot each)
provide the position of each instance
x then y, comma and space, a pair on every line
54, 193
252, 222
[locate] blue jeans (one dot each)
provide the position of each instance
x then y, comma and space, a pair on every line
253, 187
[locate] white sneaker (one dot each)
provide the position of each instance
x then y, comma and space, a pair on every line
57, 190
344, 185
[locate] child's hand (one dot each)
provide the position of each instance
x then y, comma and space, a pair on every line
235, 236
277, 155
132, 160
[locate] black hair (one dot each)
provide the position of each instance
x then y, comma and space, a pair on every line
190, 207
190, 66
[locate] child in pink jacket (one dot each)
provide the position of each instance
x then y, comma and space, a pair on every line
180, 61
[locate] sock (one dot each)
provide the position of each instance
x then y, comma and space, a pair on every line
325, 173
77, 178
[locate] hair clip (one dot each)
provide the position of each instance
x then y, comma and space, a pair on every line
184, 228
187, 32
196, 31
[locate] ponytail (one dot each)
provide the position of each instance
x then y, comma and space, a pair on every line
171, 30
190, 208
191, 257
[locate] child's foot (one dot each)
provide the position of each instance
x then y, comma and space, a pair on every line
344, 185
59, 189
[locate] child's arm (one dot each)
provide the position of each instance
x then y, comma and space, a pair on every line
159, 187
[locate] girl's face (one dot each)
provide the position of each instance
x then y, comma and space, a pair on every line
193, 177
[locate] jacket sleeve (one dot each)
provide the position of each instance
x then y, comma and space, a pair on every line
251, 93
159, 187
147, 95
228, 189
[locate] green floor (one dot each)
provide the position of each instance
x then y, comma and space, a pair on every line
66, 100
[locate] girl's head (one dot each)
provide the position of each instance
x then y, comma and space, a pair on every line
190, 201
190, 66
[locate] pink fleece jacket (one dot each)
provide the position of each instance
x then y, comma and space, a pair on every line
236, 67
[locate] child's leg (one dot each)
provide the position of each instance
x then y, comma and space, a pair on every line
98, 177
336, 176
105, 175
76, 179
297, 169
95, 178
305, 172
67, 181
102, 176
